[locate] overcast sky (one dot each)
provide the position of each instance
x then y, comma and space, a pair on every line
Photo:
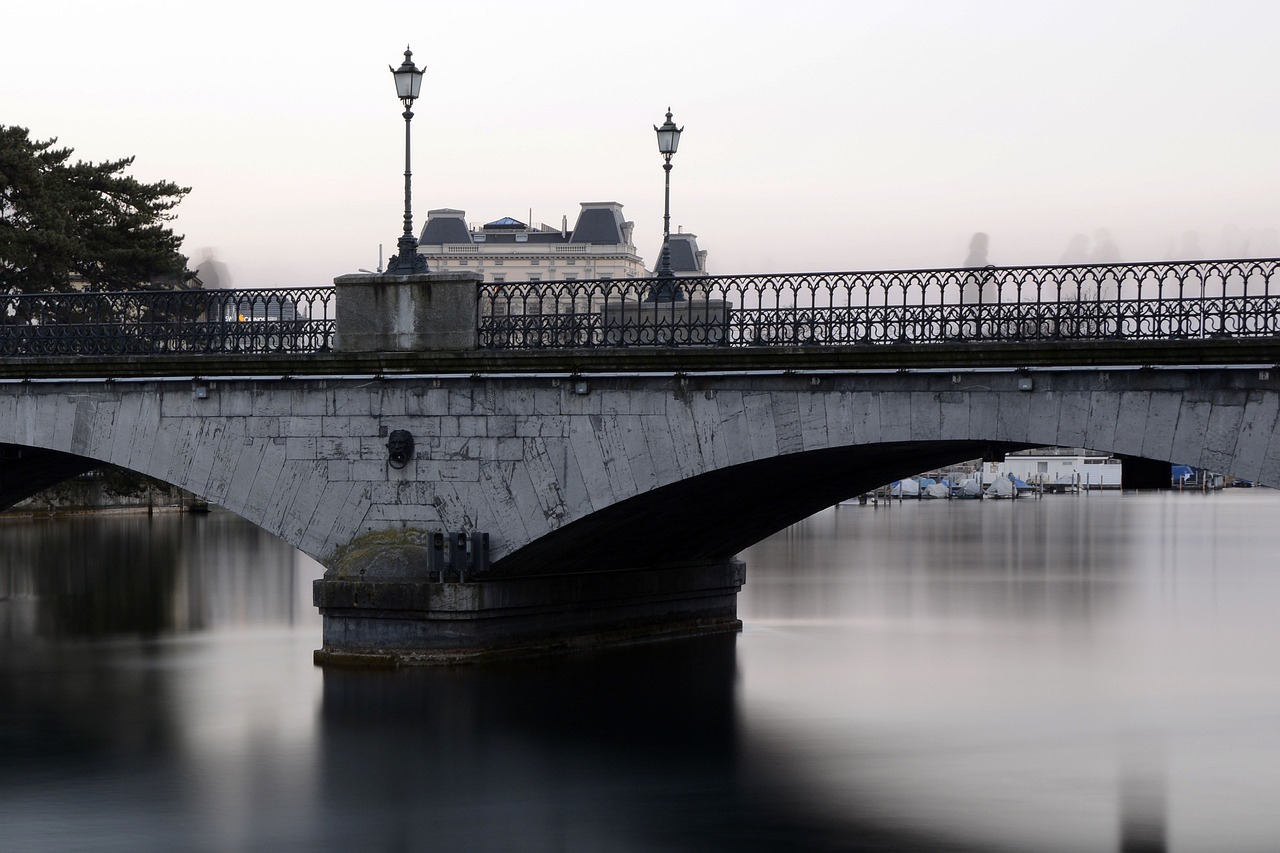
819, 134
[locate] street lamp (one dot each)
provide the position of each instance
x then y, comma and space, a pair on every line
666, 290
407, 261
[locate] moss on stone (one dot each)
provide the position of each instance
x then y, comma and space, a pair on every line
381, 555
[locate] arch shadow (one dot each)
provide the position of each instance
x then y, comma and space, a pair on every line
25, 471
713, 516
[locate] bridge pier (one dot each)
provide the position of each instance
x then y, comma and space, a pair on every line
400, 621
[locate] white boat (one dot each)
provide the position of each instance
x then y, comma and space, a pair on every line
1062, 483
907, 488
1001, 487
969, 488
936, 490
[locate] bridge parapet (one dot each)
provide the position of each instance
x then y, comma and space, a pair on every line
165, 323
1182, 300
406, 313
454, 312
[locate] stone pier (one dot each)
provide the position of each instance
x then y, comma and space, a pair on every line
396, 621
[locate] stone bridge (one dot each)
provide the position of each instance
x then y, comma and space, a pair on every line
613, 503
594, 481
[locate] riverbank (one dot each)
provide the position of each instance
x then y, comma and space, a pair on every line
108, 491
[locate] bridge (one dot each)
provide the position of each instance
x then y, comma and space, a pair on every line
487, 470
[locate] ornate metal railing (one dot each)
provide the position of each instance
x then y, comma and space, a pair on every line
1150, 301
158, 322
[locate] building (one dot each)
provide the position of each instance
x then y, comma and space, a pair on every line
507, 250
686, 258
1058, 466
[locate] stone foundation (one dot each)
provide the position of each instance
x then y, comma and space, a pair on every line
420, 621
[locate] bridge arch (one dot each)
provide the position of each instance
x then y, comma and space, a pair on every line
616, 472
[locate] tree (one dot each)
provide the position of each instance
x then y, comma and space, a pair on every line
63, 220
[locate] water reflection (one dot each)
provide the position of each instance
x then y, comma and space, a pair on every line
1057, 561
1087, 674
1059, 675
633, 749
134, 575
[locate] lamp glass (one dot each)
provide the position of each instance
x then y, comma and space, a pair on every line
668, 138
408, 79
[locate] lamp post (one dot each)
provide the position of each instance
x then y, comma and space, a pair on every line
665, 289
407, 261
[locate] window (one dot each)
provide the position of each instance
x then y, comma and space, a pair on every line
498, 261
534, 262
571, 261
499, 279
534, 277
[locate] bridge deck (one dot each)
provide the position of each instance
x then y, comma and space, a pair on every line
1248, 351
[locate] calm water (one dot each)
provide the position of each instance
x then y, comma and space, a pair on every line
1076, 673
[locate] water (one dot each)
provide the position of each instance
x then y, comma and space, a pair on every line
1075, 673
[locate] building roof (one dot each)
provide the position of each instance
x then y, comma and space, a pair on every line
445, 225
598, 222
684, 253
505, 222
522, 237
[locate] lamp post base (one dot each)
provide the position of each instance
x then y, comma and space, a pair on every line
415, 265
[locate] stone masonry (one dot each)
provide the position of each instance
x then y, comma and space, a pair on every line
661, 461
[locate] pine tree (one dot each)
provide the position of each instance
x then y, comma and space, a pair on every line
89, 222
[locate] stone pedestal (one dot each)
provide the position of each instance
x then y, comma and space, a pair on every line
406, 313
401, 621
689, 321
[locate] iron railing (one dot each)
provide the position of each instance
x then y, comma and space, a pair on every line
1149, 301
1152, 301
160, 322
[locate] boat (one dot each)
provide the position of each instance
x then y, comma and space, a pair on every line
1001, 487
969, 489
1062, 484
936, 490
907, 488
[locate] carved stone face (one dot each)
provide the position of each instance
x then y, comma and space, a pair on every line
399, 448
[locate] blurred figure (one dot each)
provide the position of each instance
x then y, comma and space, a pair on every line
1077, 251
977, 251
972, 289
1233, 243
212, 272
1105, 250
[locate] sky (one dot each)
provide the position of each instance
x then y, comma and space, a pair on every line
819, 134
